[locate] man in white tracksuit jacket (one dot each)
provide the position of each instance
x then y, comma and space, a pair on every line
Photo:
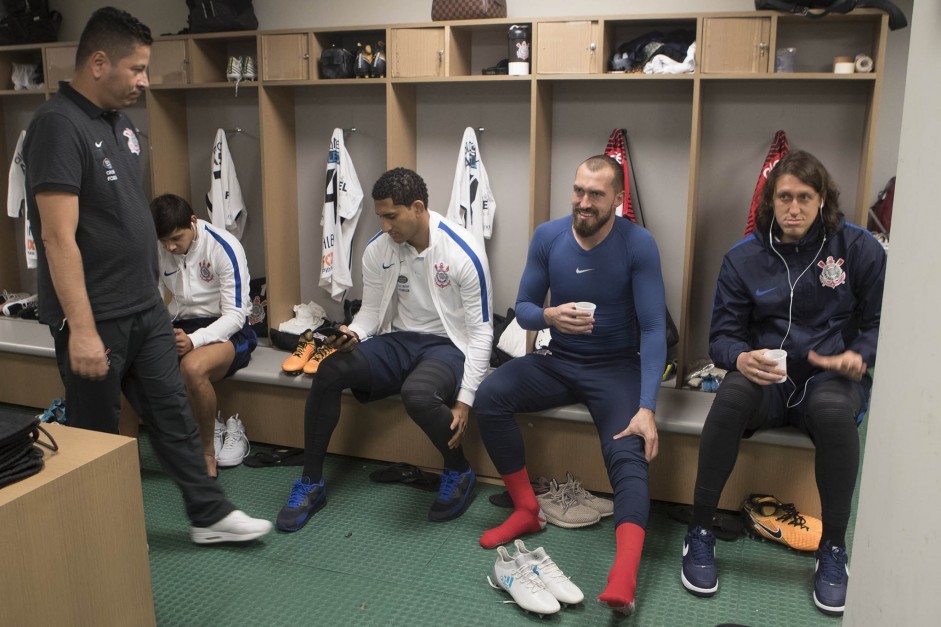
204, 268
424, 331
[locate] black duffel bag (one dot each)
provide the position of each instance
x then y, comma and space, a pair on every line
29, 22
219, 16
820, 8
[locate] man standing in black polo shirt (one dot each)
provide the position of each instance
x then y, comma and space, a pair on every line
98, 266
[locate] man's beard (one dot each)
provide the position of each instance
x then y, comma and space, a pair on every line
587, 228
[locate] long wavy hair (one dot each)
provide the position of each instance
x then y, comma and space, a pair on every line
809, 171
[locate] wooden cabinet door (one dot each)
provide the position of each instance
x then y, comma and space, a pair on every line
168, 63
60, 65
285, 57
565, 48
418, 52
736, 45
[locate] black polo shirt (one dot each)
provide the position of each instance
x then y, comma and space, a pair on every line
72, 146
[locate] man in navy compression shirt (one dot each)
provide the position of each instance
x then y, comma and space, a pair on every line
592, 358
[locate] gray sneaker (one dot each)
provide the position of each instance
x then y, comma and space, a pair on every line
603, 506
563, 510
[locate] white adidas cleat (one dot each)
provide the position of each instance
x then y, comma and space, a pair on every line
550, 574
516, 577
236, 527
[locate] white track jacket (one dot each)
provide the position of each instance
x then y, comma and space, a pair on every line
472, 203
459, 277
209, 281
342, 204
224, 199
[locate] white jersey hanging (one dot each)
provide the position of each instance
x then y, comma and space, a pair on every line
472, 203
224, 200
342, 205
16, 199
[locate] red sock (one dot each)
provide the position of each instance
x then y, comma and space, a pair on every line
525, 517
622, 580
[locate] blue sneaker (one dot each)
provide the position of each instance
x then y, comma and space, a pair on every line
454, 495
699, 572
306, 500
830, 579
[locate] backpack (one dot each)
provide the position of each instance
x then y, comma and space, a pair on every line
336, 63
820, 8
29, 22
216, 16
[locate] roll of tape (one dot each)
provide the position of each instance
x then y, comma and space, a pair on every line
863, 64
844, 67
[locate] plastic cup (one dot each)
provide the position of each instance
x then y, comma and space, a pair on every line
586, 306
779, 356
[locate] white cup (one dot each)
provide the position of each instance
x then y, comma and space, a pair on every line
779, 356
518, 68
586, 306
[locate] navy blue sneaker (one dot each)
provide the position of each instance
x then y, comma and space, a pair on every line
830, 579
454, 495
306, 500
699, 573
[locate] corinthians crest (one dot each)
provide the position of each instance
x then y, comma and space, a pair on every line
205, 270
442, 278
832, 273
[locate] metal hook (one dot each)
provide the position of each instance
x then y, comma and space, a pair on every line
349, 131
232, 130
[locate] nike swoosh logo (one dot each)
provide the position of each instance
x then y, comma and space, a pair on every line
98, 144
774, 533
685, 549
165, 273
580, 271
387, 266
763, 292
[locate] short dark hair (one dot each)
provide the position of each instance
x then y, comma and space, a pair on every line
170, 212
114, 31
402, 185
600, 161
808, 170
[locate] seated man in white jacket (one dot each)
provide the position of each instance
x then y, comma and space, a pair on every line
424, 331
205, 271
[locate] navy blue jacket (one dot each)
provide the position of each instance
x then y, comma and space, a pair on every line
837, 301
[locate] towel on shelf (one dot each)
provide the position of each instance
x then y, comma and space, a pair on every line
224, 201
342, 205
16, 199
472, 203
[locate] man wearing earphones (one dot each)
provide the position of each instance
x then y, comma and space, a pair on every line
205, 271
809, 283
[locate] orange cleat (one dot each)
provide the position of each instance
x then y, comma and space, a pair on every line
767, 517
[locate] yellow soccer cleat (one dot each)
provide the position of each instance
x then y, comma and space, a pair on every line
323, 351
767, 517
294, 365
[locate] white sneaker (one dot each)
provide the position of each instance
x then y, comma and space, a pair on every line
14, 306
248, 69
236, 446
516, 576
550, 574
236, 527
218, 435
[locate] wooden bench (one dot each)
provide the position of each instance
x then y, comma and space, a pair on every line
271, 404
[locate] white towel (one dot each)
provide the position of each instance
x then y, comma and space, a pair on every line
662, 64
16, 199
342, 204
226, 208
472, 203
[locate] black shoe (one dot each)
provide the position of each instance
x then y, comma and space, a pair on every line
454, 495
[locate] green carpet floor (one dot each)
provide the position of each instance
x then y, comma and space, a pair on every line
371, 558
